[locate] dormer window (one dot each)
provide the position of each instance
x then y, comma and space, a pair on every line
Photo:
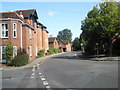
39, 26
44, 28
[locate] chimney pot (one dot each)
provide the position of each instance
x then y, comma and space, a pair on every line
21, 14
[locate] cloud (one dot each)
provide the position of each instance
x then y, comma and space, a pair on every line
52, 13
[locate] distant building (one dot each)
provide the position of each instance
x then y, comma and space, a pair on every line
64, 46
22, 29
53, 42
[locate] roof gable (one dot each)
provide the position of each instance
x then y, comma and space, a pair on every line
51, 39
63, 41
28, 13
10, 15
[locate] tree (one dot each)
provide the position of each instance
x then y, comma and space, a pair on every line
76, 44
65, 34
101, 26
9, 52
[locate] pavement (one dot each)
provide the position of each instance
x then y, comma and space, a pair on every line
98, 58
30, 64
106, 58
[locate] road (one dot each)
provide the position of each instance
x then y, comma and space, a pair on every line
64, 71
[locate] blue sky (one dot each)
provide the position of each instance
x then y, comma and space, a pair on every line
56, 15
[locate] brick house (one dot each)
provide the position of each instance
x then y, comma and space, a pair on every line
64, 46
53, 42
22, 29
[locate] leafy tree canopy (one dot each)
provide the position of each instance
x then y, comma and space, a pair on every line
76, 44
65, 34
102, 25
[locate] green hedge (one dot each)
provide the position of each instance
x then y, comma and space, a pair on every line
40, 53
53, 51
20, 60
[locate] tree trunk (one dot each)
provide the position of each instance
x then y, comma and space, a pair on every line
110, 48
110, 45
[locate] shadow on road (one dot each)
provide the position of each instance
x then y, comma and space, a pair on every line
77, 56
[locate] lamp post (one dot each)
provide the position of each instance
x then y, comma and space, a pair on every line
82, 47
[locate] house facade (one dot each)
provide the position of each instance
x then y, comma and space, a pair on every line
64, 46
22, 30
53, 42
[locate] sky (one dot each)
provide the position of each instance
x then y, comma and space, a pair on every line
57, 16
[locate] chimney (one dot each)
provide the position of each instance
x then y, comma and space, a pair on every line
21, 14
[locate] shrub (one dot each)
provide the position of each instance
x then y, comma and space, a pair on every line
40, 53
9, 53
49, 52
20, 60
53, 51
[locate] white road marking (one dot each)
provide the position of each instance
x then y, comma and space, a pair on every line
32, 77
41, 76
40, 73
33, 74
43, 79
45, 83
33, 69
47, 86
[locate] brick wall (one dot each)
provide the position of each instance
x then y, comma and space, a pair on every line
45, 40
14, 41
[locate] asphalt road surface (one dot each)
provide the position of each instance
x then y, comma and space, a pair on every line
64, 71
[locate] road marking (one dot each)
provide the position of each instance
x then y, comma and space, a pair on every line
32, 77
47, 86
43, 79
33, 74
39, 73
45, 83
33, 69
41, 76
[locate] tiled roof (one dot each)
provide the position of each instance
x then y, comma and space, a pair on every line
9, 15
27, 13
63, 41
51, 39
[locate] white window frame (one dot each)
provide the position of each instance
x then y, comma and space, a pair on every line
14, 51
2, 52
15, 30
30, 50
5, 30
30, 33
